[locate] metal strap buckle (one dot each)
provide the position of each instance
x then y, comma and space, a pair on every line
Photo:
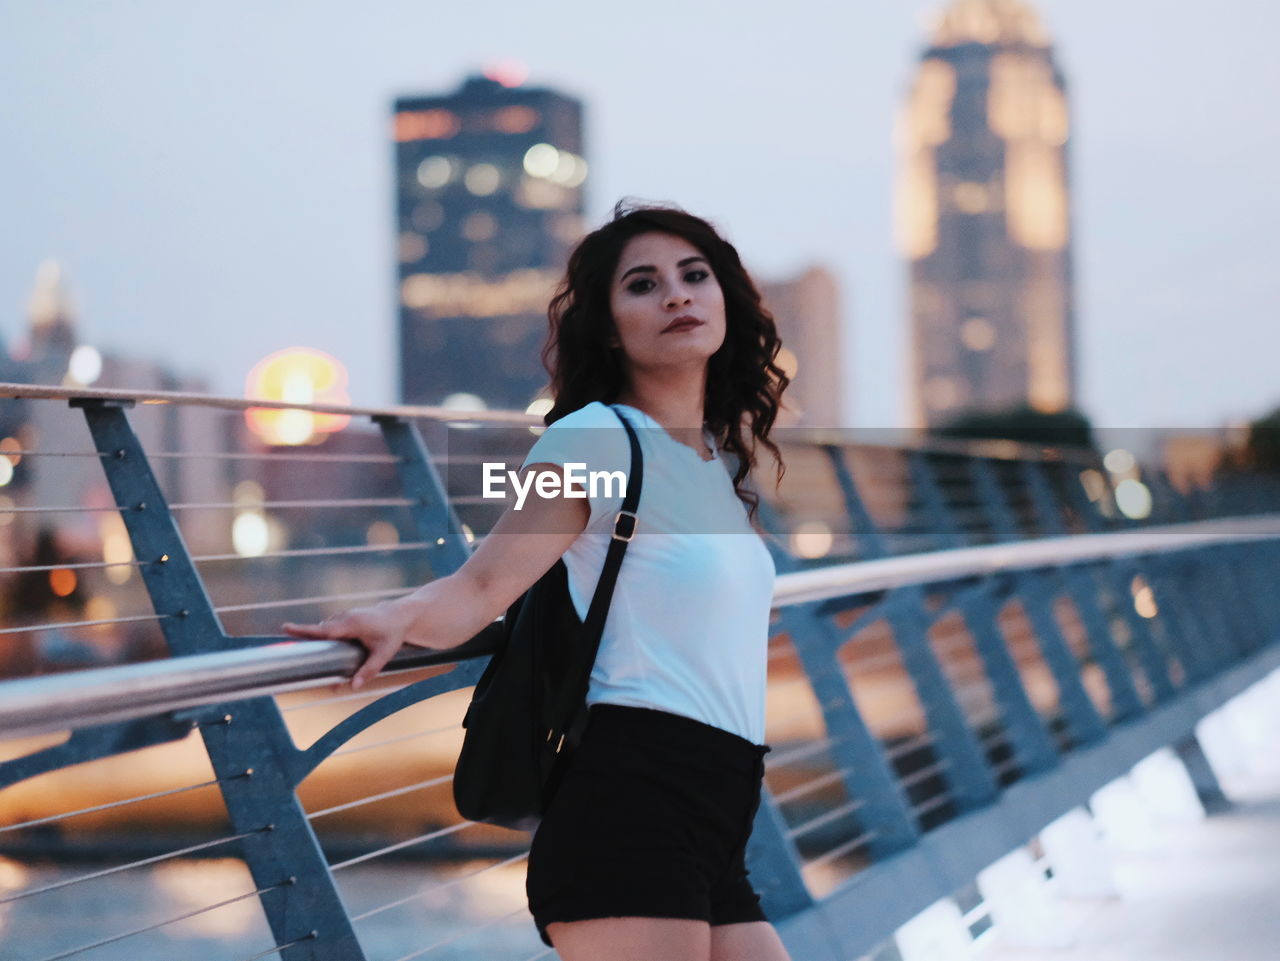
624, 532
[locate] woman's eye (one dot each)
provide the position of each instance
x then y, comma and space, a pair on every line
641, 286
697, 276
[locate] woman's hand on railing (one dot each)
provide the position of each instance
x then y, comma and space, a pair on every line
381, 629
447, 612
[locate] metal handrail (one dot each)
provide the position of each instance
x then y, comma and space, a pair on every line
56, 702
903, 441
273, 666
931, 567
151, 397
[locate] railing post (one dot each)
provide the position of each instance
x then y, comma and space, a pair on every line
869, 776
935, 508
1032, 743
431, 511
247, 741
1125, 701
1185, 632
1119, 575
999, 516
774, 864
854, 748
863, 527
972, 780
1037, 602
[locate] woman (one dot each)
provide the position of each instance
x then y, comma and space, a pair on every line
641, 853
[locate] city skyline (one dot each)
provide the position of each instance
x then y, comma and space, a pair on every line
185, 168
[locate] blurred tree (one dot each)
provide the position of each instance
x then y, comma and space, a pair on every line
1262, 446
1068, 428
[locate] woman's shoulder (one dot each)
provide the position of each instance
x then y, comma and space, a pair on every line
591, 435
595, 414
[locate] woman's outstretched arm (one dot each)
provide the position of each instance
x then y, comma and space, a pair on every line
451, 610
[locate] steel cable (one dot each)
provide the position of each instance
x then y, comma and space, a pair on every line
58, 885
372, 798
113, 804
842, 848
452, 882
420, 839
160, 924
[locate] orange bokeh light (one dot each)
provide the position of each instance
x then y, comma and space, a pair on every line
62, 582
297, 375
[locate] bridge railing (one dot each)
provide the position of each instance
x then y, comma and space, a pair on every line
966, 646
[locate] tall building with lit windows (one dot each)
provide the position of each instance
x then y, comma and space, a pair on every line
489, 188
984, 216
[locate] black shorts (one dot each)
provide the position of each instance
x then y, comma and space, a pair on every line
651, 820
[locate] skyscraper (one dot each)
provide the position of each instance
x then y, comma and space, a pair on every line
488, 203
983, 216
806, 309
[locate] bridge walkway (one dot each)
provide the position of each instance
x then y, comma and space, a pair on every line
1191, 889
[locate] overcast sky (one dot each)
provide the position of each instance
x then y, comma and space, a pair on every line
216, 178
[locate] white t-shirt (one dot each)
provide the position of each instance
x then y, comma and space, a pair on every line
688, 626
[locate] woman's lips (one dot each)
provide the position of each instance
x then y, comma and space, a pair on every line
681, 323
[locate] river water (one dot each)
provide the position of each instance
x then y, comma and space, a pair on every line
450, 912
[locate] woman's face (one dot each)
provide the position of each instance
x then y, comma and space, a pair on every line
667, 305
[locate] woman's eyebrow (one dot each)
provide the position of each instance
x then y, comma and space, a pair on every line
649, 268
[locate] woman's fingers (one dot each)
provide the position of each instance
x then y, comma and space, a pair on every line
309, 631
375, 662
349, 626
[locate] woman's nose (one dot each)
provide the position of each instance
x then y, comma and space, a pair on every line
678, 296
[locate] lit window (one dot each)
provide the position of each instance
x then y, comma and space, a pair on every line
978, 333
482, 179
412, 248
541, 160
568, 228
435, 172
425, 125
427, 215
534, 193
479, 227
970, 198
941, 393
514, 120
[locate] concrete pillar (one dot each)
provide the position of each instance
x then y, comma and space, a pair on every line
1165, 788
1124, 819
938, 933
1081, 862
1016, 892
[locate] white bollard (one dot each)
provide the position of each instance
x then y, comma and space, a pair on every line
1017, 895
1082, 865
1162, 782
1126, 824
938, 933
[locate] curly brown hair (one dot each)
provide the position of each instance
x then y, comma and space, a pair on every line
744, 381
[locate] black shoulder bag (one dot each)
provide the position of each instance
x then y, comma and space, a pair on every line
528, 709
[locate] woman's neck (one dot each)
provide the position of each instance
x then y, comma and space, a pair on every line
675, 404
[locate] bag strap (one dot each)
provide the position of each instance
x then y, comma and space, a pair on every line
624, 529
